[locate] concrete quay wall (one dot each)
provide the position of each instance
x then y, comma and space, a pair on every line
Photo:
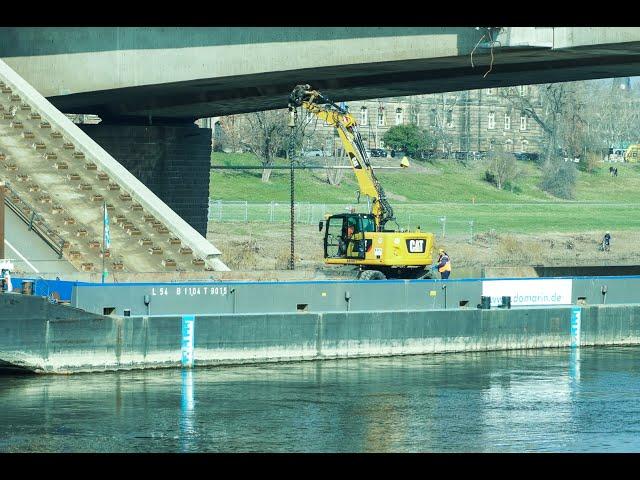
44, 337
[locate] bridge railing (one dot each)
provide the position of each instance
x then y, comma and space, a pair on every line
34, 221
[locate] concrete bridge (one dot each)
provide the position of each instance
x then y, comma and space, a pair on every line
160, 75
149, 84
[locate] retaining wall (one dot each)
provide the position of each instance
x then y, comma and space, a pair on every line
44, 337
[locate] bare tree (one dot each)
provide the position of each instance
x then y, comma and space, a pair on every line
502, 167
546, 110
611, 115
566, 112
305, 131
232, 131
559, 178
265, 136
559, 111
442, 121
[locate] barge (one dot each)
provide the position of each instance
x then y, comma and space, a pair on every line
64, 327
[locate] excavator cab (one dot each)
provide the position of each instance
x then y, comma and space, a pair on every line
345, 235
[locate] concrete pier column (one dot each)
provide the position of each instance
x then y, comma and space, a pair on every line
172, 160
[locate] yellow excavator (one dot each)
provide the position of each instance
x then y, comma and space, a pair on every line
362, 239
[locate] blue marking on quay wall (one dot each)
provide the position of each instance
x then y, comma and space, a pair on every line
576, 314
188, 325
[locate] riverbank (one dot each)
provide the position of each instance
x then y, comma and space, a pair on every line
262, 250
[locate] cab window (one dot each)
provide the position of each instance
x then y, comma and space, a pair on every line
368, 224
334, 246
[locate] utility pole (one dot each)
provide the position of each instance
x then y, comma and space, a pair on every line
290, 153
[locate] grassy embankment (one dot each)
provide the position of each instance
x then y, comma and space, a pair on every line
424, 193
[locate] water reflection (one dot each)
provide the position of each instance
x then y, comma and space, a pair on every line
187, 431
535, 400
574, 366
527, 406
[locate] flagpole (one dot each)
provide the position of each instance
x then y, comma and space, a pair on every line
104, 217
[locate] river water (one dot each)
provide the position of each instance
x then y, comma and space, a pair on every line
553, 400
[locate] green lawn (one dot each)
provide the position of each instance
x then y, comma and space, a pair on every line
521, 218
446, 181
449, 189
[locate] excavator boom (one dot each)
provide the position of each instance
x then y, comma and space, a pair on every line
347, 127
360, 239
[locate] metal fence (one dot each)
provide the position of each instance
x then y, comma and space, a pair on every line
231, 211
311, 213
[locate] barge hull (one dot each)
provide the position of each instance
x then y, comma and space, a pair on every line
44, 337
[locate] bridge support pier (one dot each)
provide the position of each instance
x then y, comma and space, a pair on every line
172, 160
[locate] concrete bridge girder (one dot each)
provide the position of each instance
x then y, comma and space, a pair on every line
195, 72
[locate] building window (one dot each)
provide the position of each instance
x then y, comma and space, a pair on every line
507, 121
525, 144
381, 117
492, 121
523, 90
398, 116
415, 118
364, 116
433, 118
523, 122
449, 118
491, 91
508, 145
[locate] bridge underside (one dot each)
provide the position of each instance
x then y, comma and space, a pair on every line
176, 102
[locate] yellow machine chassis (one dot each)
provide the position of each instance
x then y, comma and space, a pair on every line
390, 249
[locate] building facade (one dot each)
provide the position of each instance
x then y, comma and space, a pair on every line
467, 121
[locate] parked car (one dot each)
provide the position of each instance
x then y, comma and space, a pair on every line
615, 155
425, 155
316, 153
378, 152
477, 155
526, 156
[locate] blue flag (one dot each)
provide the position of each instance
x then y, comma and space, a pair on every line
107, 235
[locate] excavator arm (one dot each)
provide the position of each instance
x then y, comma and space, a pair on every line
347, 127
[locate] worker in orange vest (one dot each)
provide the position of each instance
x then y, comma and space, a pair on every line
444, 264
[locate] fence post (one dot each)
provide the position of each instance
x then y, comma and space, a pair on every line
271, 212
444, 221
246, 212
471, 231
219, 210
